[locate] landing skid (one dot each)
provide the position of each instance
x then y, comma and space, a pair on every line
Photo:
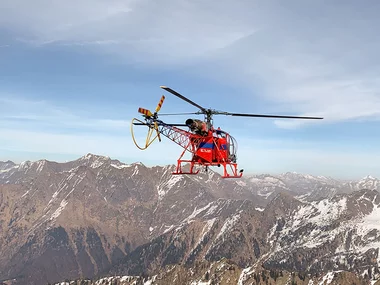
180, 171
226, 166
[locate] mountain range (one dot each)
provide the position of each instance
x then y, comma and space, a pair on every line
96, 216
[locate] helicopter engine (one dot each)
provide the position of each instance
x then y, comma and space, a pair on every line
197, 126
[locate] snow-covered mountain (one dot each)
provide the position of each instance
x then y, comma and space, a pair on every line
260, 188
321, 240
341, 233
304, 186
93, 211
6, 166
98, 216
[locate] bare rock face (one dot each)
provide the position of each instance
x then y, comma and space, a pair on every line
315, 240
82, 216
225, 272
97, 216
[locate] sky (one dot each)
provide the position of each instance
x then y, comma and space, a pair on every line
74, 73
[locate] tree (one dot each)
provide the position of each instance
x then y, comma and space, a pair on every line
207, 276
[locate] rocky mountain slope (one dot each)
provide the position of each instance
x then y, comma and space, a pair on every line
6, 166
225, 272
96, 216
92, 211
311, 238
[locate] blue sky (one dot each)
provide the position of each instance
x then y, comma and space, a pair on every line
73, 75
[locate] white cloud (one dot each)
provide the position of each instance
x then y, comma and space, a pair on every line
317, 60
50, 20
23, 114
307, 58
165, 31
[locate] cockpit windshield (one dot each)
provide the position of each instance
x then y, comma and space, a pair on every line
232, 148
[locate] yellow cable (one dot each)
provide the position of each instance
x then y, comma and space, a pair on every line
148, 141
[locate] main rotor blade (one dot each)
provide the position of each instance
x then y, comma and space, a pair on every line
177, 114
171, 125
271, 116
183, 97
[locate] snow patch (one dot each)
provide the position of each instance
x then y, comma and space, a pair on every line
196, 212
58, 212
121, 166
165, 188
173, 180
320, 213
169, 228
228, 224
126, 278
207, 227
212, 210
97, 163
245, 275
24, 165
265, 194
41, 165
8, 169
328, 278
135, 171
241, 183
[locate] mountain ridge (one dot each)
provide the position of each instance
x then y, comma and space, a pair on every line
90, 156
96, 212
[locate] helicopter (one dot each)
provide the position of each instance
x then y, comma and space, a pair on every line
207, 146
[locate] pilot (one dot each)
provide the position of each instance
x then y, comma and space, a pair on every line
197, 126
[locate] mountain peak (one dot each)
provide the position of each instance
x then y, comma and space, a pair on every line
94, 160
6, 165
91, 156
138, 163
369, 177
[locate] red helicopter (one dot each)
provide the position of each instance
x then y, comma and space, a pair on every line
208, 146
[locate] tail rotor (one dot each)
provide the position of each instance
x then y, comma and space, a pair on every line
151, 122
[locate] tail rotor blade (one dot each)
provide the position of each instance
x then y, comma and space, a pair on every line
145, 112
158, 108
